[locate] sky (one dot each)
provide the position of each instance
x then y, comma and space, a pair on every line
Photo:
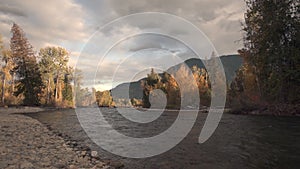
115, 41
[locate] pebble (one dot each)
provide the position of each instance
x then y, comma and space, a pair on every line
26, 143
73, 167
83, 153
94, 153
26, 165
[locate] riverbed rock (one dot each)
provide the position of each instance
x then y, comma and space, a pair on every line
26, 143
26, 165
116, 164
94, 153
100, 165
73, 167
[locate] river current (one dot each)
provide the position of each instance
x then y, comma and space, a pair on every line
240, 141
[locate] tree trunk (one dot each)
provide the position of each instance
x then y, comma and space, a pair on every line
3, 89
56, 88
13, 83
48, 91
74, 93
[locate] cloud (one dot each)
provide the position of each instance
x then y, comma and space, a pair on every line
52, 22
130, 59
70, 23
218, 19
11, 10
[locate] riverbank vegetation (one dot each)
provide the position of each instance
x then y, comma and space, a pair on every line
43, 78
270, 76
268, 80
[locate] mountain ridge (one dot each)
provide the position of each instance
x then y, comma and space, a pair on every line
231, 63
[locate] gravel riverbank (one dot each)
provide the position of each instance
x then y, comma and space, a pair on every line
25, 143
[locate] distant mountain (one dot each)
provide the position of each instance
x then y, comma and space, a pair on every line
135, 90
231, 63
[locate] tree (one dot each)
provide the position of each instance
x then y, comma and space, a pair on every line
27, 70
244, 90
203, 83
7, 75
60, 66
67, 92
148, 85
104, 99
272, 45
3, 74
82, 96
53, 65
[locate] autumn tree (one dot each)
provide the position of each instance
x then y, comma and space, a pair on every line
53, 64
67, 91
244, 90
7, 77
151, 82
272, 45
203, 83
5, 55
27, 71
171, 88
2, 72
104, 99
82, 96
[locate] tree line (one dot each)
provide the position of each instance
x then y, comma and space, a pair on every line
38, 79
167, 83
270, 74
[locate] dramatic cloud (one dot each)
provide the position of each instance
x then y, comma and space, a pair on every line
219, 19
11, 10
71, 23
51, 22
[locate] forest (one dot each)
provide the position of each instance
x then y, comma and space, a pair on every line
268, 79
45, 78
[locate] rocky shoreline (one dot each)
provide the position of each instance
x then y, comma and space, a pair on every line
26, 144
271, 110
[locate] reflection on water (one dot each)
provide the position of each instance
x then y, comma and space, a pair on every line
240, 141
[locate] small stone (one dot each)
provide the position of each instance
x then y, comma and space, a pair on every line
74, 143
106, 167
99, 165
73, 167
83, 153
69, 149
116, 164
26, 164
94, 153
59, 165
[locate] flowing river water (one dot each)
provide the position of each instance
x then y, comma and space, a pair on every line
240, 141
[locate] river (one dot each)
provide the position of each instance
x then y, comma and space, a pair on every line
240, 141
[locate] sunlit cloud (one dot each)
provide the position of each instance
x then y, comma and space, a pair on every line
72, 23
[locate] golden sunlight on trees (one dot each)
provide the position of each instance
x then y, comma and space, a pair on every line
271, 72
29, 81
272, 42
46, 78
168, 84
104, 99
56, 75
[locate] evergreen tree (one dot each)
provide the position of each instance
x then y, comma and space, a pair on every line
27, 70
272, 46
